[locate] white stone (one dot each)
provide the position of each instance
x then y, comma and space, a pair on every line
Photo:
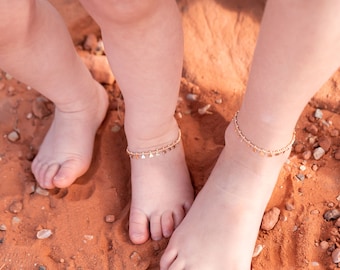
44, 233
318, 114
336, 255
318, 153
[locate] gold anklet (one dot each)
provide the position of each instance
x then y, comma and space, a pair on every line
256, 149
155, 152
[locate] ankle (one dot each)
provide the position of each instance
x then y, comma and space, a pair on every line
262, 136
92, 100
151, 136
245, 157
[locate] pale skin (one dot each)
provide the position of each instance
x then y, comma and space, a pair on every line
144, 44
297, 51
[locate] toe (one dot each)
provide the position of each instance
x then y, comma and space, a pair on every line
68, 172
50, 173
155, 227
39, 175
168, 224
138, 227
168, 258
178, 216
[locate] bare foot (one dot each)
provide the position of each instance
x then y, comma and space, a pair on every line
161, 195
66, 151
221, 227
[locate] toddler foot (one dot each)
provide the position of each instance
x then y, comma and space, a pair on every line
221, 227
161, 194
66, 151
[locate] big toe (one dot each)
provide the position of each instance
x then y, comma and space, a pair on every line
138, 227
68, 172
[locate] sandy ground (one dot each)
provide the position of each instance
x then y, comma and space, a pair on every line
89, 220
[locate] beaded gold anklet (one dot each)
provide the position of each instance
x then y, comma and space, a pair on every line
256, 149
155, 152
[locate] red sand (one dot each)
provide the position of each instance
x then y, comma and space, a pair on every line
82, 239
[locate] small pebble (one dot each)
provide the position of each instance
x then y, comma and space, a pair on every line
302, 168
332, 214
289, 207
204, 110
307, 154
41, 191
44, 233
110, 218
300, 177
325, 123
88, 237
336, 255
338, 198
312, 129
116, 128
13, 136
312, 140
315, 212
29, 116
257, 250
15, 207
270, 219
40, 109
315, 167
318, 153
3, 227
318, 114
195, 89
330, 204
135, 257
325, 143
218, 101
61, 260
299, 148
334, 133
324, 245
42, 267
192, 97
315, 264
15, 220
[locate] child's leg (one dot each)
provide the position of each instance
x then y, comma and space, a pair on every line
143, 41
297, 51
35, 47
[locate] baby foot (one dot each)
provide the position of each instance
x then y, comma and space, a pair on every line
161, 195
66, 151
221, 228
